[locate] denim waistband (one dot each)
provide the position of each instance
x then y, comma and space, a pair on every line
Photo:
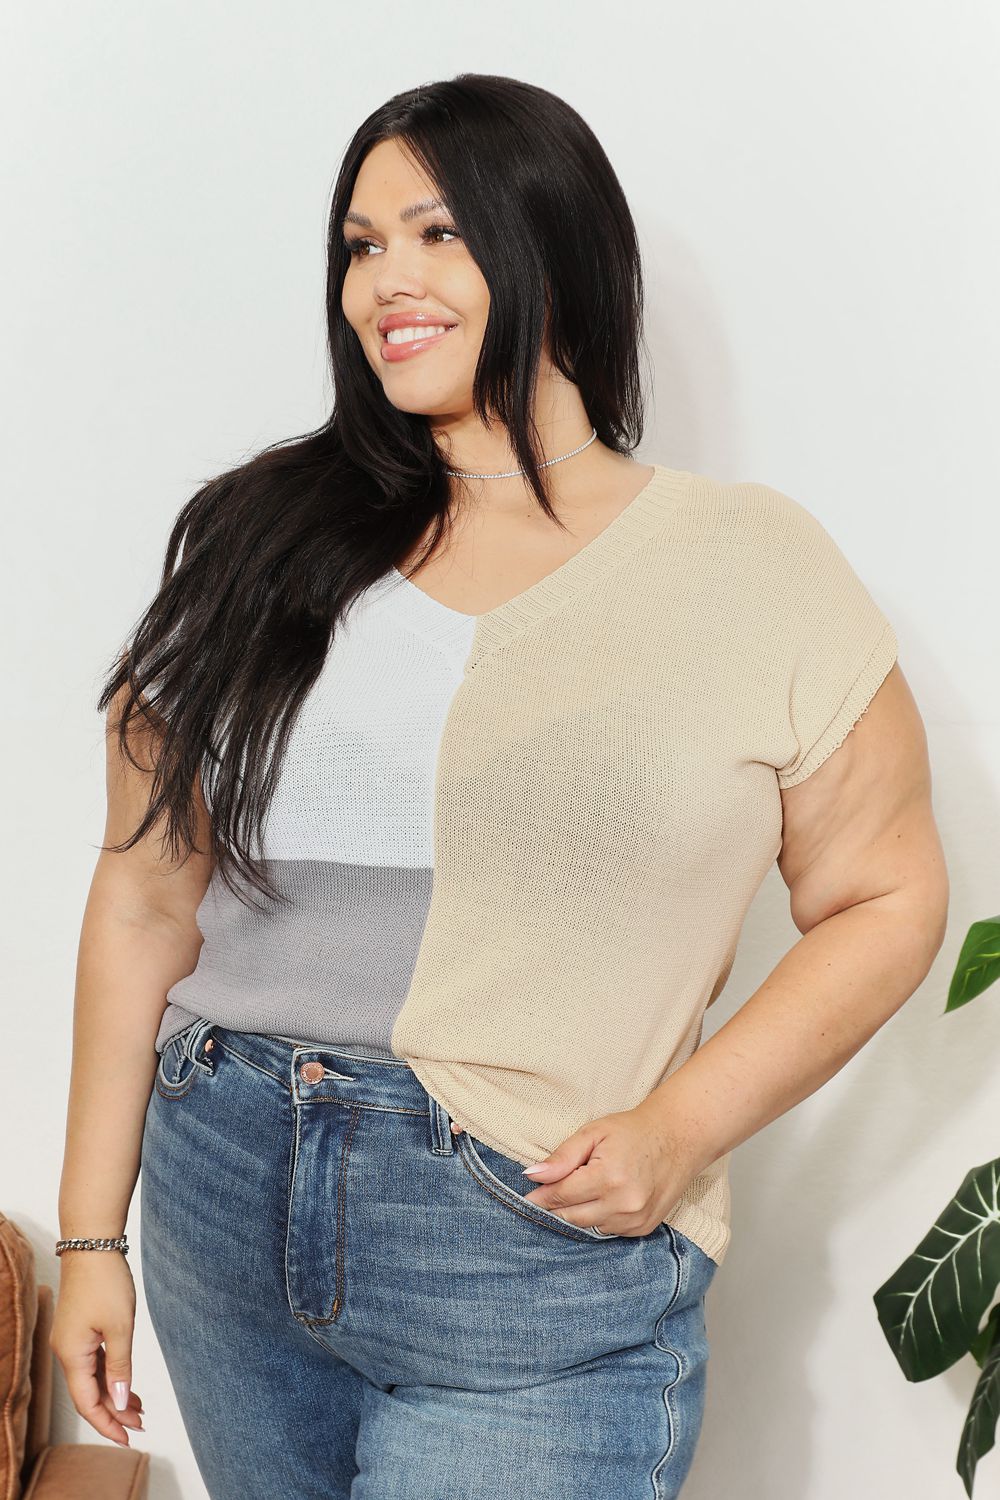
349, 1077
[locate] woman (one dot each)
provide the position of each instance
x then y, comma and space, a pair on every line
442, 770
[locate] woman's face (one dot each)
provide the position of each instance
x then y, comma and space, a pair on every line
412, 271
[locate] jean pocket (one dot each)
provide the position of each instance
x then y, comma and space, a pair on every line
179, 1066
503, 1178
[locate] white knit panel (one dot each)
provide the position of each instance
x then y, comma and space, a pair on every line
357, 782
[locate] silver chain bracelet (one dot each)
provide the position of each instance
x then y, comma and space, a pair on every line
121, 1243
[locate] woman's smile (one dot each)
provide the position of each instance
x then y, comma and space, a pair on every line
412, 342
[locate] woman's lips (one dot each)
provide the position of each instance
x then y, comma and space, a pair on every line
393, 353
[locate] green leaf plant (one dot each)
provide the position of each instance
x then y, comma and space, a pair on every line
931, 1309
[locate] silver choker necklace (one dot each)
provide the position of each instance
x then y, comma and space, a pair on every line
512, 473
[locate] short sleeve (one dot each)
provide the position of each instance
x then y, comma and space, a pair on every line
841, 645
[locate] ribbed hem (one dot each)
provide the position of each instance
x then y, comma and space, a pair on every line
861, 693
707, 1231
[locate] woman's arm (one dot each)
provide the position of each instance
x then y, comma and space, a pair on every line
862, 859
138, 937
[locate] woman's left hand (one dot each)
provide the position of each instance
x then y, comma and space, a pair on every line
621, 1173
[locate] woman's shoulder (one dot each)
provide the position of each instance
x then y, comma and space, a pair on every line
747, 518
754, 501
760, 537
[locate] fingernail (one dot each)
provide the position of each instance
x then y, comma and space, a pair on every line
528, 1170
119, 1393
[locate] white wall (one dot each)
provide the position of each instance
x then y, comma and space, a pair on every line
816, 191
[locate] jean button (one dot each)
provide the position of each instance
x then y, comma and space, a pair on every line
311, 1072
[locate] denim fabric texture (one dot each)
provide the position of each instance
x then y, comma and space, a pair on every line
356, 1303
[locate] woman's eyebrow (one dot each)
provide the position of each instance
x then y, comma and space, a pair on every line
413, 212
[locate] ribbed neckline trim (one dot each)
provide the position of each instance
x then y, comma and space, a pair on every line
641, 518
645, 513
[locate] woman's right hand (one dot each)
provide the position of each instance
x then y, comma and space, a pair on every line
95, 1307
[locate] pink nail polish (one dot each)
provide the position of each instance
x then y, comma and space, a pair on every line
119, 1394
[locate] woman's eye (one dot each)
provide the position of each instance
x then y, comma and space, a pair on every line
443, 229
357, 247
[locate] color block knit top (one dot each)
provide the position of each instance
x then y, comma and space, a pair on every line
521, 845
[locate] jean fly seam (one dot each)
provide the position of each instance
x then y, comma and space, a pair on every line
289, 1216
340, 1273
341, 1276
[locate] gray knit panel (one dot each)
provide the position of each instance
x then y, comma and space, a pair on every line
332, 966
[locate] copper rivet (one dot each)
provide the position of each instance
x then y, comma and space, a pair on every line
312, 1072
210, 1044
456, 1129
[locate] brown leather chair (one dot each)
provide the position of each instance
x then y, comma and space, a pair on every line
30, 1467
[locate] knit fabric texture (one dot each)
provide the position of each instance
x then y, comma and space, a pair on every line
521, 846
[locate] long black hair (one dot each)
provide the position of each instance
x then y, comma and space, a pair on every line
264, 560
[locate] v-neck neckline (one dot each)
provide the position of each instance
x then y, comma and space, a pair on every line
632, 525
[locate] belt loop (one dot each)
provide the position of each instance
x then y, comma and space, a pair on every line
195, 1043
442, 1143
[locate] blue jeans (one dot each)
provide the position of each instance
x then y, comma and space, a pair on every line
355, 1303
